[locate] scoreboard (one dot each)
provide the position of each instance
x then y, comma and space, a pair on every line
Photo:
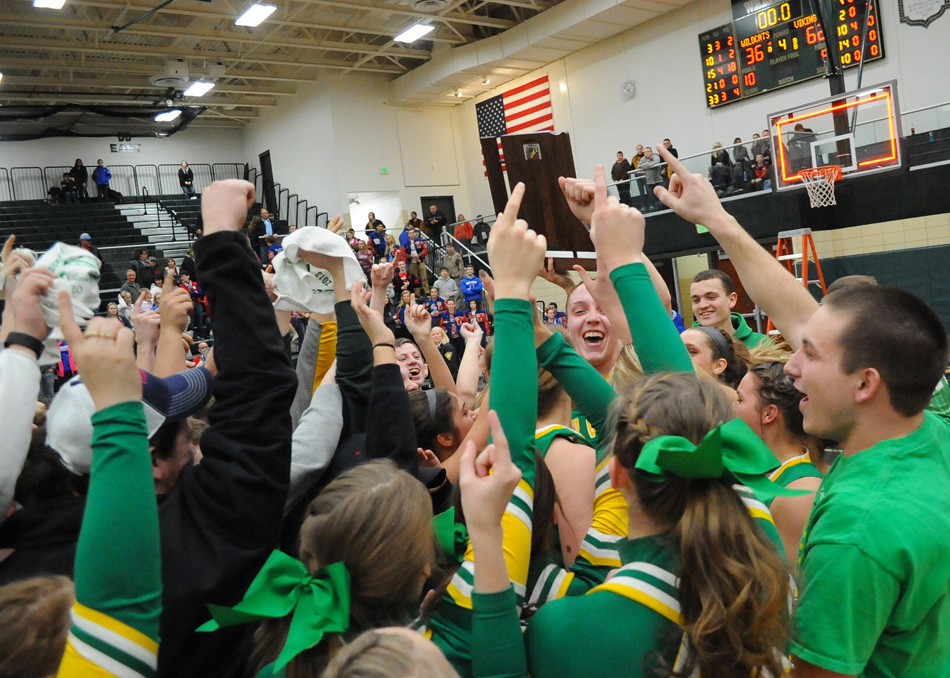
773, 44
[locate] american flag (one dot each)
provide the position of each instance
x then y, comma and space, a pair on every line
523, 109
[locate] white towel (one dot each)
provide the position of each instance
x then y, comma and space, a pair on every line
300, 286
75, 271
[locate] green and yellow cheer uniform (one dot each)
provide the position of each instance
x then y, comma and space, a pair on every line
794, 469
118, 560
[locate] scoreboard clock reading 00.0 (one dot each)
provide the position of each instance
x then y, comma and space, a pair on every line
774, 44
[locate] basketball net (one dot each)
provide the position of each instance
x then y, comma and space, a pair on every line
820, 183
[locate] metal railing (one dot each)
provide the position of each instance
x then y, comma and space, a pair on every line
33, 183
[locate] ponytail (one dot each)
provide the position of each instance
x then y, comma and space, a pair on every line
733, 584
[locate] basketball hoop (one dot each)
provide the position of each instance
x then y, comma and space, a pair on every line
820, 182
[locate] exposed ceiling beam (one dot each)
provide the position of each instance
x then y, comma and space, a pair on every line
208, 14
470, 19
9, 20
12, 79
97, 99
143, 69
143, 50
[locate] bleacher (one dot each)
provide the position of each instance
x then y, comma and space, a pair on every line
37, 225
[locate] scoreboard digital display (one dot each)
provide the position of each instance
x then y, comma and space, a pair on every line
774, 44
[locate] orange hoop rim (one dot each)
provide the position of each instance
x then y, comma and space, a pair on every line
830, 173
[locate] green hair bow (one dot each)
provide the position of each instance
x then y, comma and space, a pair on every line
732, 450
452, 537
320, 603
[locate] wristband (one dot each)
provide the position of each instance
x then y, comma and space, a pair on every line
25, 340
384, 345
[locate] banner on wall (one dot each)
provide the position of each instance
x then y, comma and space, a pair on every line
922, 12
526, 108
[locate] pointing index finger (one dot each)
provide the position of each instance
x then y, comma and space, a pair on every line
71, 332
168, 284
514, 203
600, 187
7, 248
672, 161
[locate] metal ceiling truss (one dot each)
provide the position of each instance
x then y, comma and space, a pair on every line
74, 55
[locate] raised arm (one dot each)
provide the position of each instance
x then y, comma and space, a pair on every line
118, 558
20, 378
618, 232
469, 368
419, 324
775, 290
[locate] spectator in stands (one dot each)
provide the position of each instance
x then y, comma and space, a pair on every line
453, 261
464, 231
130, 285
144, 274
482, 231
188, 264
765, 146
394, 250
125, 304
365, 257
404, 281
436, 222
799, 147
550, 317
668, 145
652, 175
377, 241
559, 315
758, 145
351, 239
720, 168
273, 247
102, 176
471, 286
435, 304
372, 223
446, 286
112, 311
414, 222
199, 305
619, 174
70, 191
739, 153
186, 179
259, 228
80, 175
761, 174
85, 241
417, 252
638, 156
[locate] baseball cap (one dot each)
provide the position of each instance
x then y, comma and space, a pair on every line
85, 236
69, 420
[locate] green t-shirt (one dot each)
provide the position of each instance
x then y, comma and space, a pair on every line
875, 561
743, 332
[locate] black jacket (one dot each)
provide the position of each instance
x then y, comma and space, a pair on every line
44, 537
222, 519
185, 175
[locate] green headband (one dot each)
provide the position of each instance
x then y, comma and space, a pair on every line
320, 603
732, 450
452, 537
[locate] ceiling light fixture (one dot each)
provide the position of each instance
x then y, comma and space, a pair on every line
49, 4
458, 92
198, 89
255, 15
413, 33
485, 80
167, 116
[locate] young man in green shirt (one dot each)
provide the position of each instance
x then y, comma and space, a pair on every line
874, 559
714, 296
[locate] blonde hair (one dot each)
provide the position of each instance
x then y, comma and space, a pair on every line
377, 520
383, 655
34, 624
627, 371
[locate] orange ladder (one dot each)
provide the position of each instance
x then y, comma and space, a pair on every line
797, 263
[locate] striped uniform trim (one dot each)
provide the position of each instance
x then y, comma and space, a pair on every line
794, 461
649, 585
122, 637
602, 478
601, 549
539, 433
552, 584
591, 432
516, 525
756, 508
